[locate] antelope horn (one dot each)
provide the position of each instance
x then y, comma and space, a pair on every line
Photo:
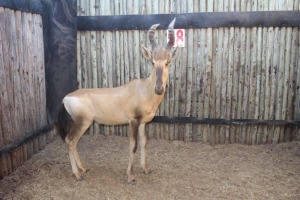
172, 35
151, 36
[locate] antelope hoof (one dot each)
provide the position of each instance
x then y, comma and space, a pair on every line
79, 177
131, 180
85, 170
147, 171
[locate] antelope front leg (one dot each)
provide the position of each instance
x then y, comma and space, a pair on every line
132, 149
143, 145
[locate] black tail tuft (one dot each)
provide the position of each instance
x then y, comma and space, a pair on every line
63, 123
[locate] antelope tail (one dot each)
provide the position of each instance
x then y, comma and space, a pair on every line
63, 124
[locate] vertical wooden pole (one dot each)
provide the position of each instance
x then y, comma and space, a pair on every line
4, 121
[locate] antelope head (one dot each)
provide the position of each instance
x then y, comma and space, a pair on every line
160, 57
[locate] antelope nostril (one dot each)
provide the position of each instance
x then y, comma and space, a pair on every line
159, 90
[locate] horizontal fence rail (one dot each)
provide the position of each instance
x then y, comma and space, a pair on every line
190, 20
32, 6
210, 121
27, 137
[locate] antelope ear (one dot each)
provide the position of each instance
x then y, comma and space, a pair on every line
146, 53
175, 54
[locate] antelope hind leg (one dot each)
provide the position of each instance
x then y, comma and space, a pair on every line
74, 166
72, 140
78, 161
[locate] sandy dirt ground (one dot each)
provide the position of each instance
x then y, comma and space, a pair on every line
179, 171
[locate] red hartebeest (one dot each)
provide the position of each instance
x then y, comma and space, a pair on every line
134, 103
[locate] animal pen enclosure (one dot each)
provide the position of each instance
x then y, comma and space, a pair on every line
243, 66
236, 81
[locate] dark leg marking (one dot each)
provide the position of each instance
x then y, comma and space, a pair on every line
134, 132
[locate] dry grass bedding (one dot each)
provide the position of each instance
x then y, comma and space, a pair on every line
179, 171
